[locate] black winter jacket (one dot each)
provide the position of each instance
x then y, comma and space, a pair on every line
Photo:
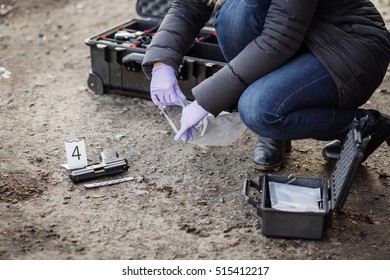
348, 36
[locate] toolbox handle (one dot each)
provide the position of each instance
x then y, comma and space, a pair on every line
133, 57
139, 58
248, 184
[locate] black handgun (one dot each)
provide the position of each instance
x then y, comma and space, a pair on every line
111, 164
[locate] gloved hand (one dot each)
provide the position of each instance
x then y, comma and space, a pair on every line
190, 118
164, 88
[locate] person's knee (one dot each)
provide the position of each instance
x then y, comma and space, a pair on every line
242, 16
238, 23
226, 26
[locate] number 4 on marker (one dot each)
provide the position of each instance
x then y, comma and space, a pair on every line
76, 154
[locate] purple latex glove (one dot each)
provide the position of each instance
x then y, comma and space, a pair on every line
190, 118
164, 88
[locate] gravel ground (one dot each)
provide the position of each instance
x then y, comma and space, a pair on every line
185, 201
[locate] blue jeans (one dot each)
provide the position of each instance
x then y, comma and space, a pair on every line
296, 101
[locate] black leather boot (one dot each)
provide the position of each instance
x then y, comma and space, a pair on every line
379, 133
332, 150
269, 154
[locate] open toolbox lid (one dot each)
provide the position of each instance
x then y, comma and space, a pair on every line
346, 166
157, 9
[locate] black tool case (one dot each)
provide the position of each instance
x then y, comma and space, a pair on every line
117, 54
287, 221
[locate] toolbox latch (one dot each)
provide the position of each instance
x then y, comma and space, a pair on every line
211, 69
133, 61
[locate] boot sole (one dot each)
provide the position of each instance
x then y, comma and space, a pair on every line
275, 167
328, 159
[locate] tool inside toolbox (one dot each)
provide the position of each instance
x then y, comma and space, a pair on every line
138, 35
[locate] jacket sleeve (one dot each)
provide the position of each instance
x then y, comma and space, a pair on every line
285, 26
176, 33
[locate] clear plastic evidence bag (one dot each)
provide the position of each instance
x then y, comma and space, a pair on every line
222, 130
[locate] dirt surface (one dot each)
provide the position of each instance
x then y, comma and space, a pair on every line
185, 202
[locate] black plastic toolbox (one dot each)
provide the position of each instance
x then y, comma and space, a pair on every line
117, 54
288, 222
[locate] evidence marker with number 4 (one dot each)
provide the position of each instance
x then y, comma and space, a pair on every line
76, 154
